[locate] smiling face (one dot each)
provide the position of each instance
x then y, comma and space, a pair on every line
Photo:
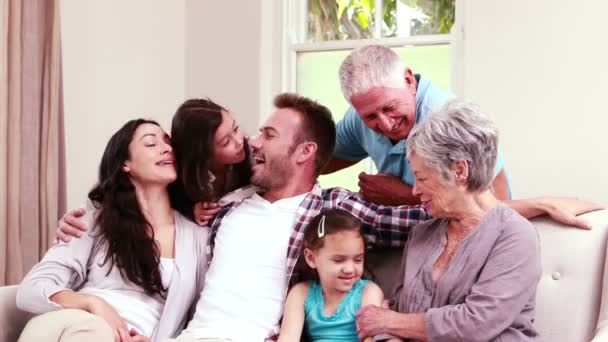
389, 111
436, 194
272, 150
339, 262
228, 147
151, 159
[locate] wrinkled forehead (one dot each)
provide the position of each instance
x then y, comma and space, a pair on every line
376, 97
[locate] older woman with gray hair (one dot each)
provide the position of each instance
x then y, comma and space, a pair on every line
469, 274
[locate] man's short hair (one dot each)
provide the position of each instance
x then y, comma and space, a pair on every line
371, 66
317, 125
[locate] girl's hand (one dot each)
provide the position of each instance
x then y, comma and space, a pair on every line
101, 308
204, 211
70, 225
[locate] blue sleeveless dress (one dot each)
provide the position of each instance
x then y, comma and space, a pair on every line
341, 325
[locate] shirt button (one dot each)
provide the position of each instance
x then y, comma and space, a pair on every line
556, 275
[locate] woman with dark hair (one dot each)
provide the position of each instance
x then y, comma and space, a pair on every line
136, 273
212, 160
212, 156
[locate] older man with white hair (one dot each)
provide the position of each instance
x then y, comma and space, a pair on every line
387, 99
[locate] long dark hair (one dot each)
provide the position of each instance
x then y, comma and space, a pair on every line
126, 234
192, 134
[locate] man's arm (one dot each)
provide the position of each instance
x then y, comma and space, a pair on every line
349, 148
383, 225
500, 188
337, 164
386, 189
561, 209
390, 226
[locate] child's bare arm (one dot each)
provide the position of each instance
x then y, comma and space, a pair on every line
293, 317
372, 295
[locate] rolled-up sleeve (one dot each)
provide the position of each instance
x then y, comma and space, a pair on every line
506, 284
383, 226
64, 267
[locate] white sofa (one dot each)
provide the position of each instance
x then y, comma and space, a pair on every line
572, 299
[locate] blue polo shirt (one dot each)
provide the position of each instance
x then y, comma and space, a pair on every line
356, 141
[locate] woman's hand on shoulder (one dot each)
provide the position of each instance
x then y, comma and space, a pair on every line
204, 211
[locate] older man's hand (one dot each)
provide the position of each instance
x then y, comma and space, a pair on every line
566, 209
372, 320
385, 189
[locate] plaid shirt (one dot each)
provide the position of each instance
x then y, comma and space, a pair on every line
383, 226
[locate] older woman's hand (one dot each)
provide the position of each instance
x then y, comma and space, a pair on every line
372, 320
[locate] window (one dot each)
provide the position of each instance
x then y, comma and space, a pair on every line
323, 32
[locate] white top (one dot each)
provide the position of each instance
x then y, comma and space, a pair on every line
78, 265
246, 284
139, 310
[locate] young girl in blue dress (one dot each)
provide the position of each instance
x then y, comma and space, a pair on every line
326, 308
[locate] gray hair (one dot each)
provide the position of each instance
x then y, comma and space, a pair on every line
371, 66
458, 131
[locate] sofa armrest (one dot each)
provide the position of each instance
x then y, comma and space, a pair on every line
601, 332
601, 335
12, 320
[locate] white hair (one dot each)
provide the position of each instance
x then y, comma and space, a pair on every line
457, 131
371, 66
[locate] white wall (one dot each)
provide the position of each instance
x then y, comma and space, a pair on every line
121, 60
126, 59
233, 56
222, 55
539, 68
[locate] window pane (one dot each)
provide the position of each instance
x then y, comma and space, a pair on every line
317, 78
340, 20
355, 19
404, 18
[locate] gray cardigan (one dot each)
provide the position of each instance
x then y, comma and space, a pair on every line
76, 264
488, 290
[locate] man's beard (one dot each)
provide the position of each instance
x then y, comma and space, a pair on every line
276, 174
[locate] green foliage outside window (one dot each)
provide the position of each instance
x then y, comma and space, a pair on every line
354, 19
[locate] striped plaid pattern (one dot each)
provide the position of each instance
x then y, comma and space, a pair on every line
383, 226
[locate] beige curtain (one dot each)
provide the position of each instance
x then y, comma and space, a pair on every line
32, 178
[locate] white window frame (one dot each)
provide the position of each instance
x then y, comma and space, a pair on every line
294, 33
